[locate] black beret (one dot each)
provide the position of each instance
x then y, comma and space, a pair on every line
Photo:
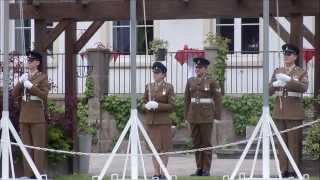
158, 67
201, 61
290, 48
34, 55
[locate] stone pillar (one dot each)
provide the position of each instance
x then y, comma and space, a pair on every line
98, 60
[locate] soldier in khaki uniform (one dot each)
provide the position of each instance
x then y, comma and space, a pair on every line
33, 88
159, 100
288, 84
202, 106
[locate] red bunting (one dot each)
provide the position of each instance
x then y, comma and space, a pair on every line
182, 55
308, 54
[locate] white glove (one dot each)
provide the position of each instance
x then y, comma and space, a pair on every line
148, 105
23, 78
154, 104
283, 77
279, 83
27, 84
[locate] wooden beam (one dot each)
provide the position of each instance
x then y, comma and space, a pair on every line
164, 9
85, 37
284, 35
54, 34
71, 82
306, 34
40, 31
296, 35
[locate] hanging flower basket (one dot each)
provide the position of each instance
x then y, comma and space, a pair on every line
161, 54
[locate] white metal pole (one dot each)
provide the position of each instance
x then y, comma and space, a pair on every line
134, 115
4, 124
266, 140
134, 144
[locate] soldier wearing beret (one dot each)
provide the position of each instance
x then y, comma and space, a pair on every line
159, 102
202, 106
288, 84
33, 88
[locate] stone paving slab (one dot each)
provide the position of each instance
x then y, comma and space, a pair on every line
180, 165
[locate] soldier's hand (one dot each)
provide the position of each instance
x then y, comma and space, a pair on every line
283, 77
148, 105
279, 83
27, 84
23, 78
154, 104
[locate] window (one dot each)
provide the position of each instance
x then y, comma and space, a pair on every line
19, 29
225, 28
121, 36
250, 35
243, 33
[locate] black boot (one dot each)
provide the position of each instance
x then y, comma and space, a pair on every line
197, 173
205, 173
285, 174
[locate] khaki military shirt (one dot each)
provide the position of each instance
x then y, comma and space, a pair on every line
289, 107
199, 88
32, 111
163, 94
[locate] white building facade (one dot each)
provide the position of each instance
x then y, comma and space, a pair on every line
243, 73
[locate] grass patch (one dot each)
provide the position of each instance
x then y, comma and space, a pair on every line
84, 177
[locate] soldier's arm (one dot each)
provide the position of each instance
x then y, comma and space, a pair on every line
17, 90
42, 90
187, 100
171, 102
217, 100
300, 85
145, 98
273, 79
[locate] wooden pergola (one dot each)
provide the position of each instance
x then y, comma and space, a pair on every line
68, 13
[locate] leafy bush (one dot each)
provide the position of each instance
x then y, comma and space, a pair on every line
57, 140
178, 115
312, 143
246, 110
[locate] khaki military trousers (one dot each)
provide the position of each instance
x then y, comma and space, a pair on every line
293, 140
34, 134
201, 137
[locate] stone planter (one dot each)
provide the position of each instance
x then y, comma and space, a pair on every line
85, 142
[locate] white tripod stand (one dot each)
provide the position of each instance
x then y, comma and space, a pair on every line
134, 123
265, 124
5, 125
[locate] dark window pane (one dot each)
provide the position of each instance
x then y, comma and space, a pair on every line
249, 20
141, 45
121, 40
227, 32
148, 22
121, 23
250, 39
27, 23
18, 40
225, 20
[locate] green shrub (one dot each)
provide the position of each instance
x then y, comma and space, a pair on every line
312, 143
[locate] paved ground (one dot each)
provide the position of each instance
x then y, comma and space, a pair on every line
182, 165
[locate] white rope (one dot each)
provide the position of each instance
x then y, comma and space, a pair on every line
23, 43
165, 153
278, 28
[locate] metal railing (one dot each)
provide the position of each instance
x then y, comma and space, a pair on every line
243, 72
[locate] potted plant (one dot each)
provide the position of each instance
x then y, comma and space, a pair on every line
160, 48
85, 132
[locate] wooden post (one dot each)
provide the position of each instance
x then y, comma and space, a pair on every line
317, 64
71, 83
40, 31
296, 35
